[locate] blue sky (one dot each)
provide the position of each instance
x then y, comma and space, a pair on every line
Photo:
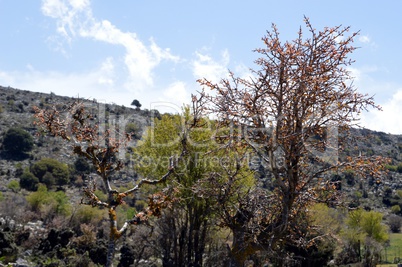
153, 51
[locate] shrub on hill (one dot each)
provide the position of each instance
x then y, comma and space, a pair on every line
29, 181
17, 142
51, 171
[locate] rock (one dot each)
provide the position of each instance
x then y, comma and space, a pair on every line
23, 263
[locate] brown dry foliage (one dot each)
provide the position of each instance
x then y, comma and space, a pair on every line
290, 112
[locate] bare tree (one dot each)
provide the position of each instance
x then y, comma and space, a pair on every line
289, 113
100, 145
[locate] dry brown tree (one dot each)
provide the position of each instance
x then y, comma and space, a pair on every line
290, 112
100, 144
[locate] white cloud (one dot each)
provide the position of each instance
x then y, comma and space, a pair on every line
206, 67
107, 72
364, 39
368, 42
176, 93
74, 19
389, 119
96, 83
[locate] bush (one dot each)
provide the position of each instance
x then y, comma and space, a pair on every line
391, 168
50, 171
29, 181
51, 203
395, 223
399, 168
88, 215
395, 209
350, 177
81, 165
17, 142
134, 130
136, 103
14, 186
48, 179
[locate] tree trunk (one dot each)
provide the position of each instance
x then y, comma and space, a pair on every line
240, 249
110, 252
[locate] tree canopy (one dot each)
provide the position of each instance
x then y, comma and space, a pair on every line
290, 112
17, 142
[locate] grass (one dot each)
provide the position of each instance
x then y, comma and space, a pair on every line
394, 251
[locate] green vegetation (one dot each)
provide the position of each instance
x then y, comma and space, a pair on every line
133, 129
51, 203
136, 103
17, 142
81, 165
395, 168
364, 236
14, 186
51, 172
393, 252
191, 217
29, 181
87, 215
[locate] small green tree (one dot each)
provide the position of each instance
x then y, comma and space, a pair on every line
396, 209
395, 223
17, 142
14, 186
136, 103
48, 202
81, 165
364, 229
29, 181
134, 130
50, 171
399, 168
192, 217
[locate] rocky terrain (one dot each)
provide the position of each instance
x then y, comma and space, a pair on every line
16, 110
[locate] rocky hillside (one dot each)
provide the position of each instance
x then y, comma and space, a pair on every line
58, 230
16, 110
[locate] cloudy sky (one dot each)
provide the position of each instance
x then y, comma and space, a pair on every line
153, 51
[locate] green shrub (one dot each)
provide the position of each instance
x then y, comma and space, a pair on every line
88, 215
350, 177
50, 171
81, 165
17, 142
14, 186
391, 168
399, 168
29, 181
52, 202
133, 129
398, 194
395, 209
48, 179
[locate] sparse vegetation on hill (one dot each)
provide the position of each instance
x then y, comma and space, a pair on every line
381, 195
